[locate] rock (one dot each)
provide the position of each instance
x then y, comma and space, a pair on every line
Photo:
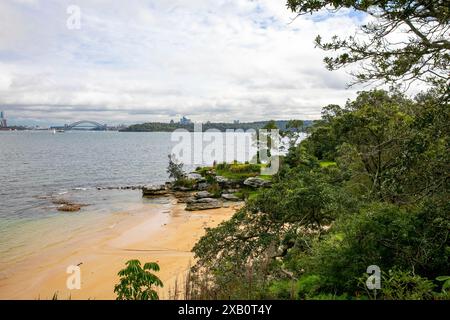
256, 182
154, 190
231, 191
230, 197
196, 177
204, 204
202, 186
222, 180
183, 197
169, 185
67, 206
203, 194
72, 207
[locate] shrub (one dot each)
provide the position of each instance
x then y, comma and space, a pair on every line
405, 285
283, 289
215, 190
308, 286
137, 283
175, 169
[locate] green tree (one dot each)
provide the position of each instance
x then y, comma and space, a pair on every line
264, 135
137, 283
292, 132
422, 54
175, 169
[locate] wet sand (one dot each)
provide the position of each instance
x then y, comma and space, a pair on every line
165, 237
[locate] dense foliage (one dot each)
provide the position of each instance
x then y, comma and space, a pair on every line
369, 186
401, 39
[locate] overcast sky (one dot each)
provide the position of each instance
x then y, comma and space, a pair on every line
138, 61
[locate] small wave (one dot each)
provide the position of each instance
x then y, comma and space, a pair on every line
80, 189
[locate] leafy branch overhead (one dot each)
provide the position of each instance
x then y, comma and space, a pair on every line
405, 40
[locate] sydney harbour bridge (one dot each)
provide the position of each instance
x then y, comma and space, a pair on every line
83, 125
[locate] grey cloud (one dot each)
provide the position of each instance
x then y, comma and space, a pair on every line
208, 60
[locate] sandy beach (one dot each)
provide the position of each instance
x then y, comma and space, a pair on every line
166, 236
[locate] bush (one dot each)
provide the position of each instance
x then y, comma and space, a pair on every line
136, 282
283, 289
186, 183
383, 235
404, 285
175, 169
308, 286
215, 190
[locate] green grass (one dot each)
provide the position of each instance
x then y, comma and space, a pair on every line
325, 164
235, 176
235, 171
246, 193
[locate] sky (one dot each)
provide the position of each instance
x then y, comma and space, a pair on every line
140, 61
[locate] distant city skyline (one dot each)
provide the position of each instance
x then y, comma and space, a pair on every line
157, 61
3, 121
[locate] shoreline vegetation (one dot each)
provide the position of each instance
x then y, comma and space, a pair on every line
220, 126
367, 187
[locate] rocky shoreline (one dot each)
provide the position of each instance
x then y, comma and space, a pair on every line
200, 190
197, 194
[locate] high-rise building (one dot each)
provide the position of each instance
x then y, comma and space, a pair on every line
185, 121
3, 123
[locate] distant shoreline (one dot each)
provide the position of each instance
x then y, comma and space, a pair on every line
221, 126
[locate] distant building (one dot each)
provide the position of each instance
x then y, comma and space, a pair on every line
171, 121
185, 121
236, 121
3, 123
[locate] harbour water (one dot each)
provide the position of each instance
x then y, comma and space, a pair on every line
83, 167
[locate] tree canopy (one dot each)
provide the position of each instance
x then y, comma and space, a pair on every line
404, 39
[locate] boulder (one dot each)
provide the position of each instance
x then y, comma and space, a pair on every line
196, 177
203, 194
182, 189
154, 190
203, 204
183, 197
256, 182
67, 206
222, 180
230, 197
202, 186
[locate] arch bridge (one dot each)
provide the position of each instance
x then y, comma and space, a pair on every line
86, 125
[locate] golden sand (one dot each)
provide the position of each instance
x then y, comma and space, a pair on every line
166, 238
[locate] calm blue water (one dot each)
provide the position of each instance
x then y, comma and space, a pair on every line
36, 165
